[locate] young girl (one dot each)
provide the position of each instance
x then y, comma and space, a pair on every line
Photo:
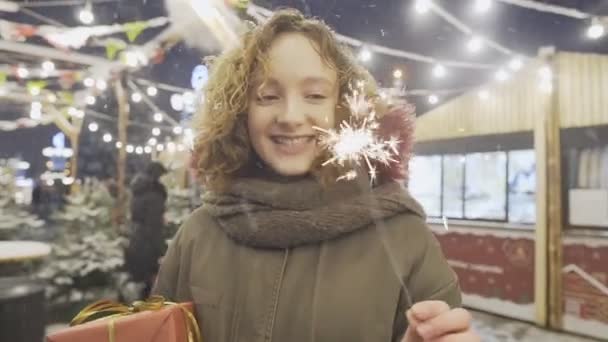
281, 251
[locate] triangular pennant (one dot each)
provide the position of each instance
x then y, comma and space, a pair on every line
34, 87
134, 29
113, 47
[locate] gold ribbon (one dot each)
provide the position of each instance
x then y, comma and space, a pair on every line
110, 310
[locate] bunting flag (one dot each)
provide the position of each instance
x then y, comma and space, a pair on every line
3, 77
133, 30
35, 87
113, 47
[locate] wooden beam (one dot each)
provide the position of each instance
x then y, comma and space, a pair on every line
548, 248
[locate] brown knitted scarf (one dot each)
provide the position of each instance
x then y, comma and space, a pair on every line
267, 213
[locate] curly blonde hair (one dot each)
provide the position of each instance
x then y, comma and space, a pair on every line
222, 146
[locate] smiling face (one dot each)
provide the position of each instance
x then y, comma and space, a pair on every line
299, 91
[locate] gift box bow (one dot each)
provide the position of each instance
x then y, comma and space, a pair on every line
110, 311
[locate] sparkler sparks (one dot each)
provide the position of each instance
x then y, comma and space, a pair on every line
356, 141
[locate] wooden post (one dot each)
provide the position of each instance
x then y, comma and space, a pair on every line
548, 273
121, 165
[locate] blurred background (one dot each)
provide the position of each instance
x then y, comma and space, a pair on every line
511, 159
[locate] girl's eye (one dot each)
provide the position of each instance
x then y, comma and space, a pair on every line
267, 98
317, 96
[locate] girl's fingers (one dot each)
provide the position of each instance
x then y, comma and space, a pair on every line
450, 322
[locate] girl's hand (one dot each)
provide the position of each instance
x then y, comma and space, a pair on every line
435, 321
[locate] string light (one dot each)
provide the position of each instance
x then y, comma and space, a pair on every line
155, 131
118, 144
158, 117
52, 98
90, 100
501, 75
596, 30
93, 127
102, 85
177, 102
48, 66
139, 150
482, 6
160, 147
433, 99
397, 73
439, 71
22, 72
422, 6
35, 91
475, 44
136, 97
86, 15
365, 55
147, 149
107, 137
152, 141
178, 130
181, 148
171, 146
130, 148
516, 63
483, 94
152, 91
89, 82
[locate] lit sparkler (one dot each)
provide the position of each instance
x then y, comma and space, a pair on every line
356, 140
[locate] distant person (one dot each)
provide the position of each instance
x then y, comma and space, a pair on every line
146, 243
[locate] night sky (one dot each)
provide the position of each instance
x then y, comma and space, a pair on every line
392, 23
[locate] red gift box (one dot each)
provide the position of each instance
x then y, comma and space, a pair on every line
154, 320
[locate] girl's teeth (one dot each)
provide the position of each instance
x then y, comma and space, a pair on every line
291, 141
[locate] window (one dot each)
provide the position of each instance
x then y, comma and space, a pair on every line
522, 186
453, 185
425, 183
485, 186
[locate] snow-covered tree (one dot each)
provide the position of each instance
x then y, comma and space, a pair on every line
15, 220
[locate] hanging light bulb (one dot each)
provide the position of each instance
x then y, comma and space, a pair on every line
139, 150
155, 131
433, 99
178, 130
86, 15
516, 63
152, 141
160, 147
52, 98
35, 91
93, 127
475, 44
397, 74
596, 30
483, 94
422, 6
439, 71
118, 144
107, 137
501, 75
90, 100
130, 148
482, 6
88, 82
147, 149
136, 97
48, 66
22, 72
158, 117
171, 146
152, 91
365, 55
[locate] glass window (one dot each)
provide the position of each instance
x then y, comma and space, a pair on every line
453, 185
425, 183
485, 186
522, 186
